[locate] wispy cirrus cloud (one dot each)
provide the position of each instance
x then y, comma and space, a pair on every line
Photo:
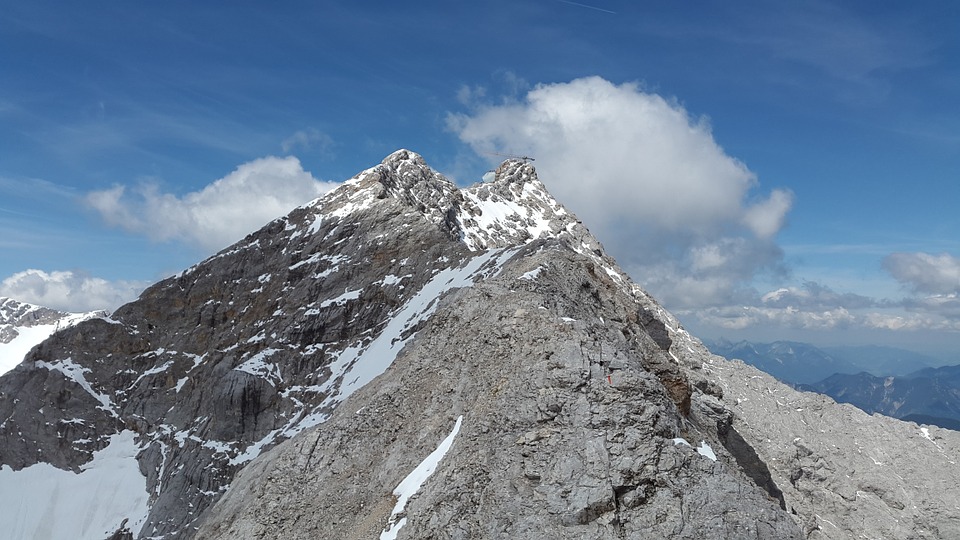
309, 140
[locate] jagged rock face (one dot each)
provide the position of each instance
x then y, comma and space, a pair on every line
260, 341
342, 343
566, 430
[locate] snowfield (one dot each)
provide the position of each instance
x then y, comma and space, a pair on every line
108, 491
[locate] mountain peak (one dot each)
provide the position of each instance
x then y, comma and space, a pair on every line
335, 348
513, 209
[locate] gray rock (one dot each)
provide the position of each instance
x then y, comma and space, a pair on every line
554, 444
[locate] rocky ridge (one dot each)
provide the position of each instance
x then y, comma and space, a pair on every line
23, 325
298, 376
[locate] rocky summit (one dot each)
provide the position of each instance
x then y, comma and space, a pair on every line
402, 358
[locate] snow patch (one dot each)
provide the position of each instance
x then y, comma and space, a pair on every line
342, 299
44, 502
152, 371
14, 351
532, 275
257, 365
705, 451
410, 485
704, 448
75, 373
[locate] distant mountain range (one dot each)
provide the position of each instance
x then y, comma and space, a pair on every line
802, 363
884, 380
927, 396
882, 361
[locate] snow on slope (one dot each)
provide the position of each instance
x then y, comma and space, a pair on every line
102, 496
410, 485
359, 364
26, 325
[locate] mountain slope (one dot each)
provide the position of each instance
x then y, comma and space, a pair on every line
571, 414
847, 474
262, 340
882, 361
931, 395
24, 325
400, 326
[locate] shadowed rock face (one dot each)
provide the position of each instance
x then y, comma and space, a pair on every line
298, 376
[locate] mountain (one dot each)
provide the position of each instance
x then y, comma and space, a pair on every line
405, 359
930, 396
788, 361
24, 325
850, 375
882, 361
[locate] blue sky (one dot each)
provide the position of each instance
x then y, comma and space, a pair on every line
768, 171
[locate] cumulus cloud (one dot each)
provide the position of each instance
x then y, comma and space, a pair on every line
740, 318
925, 273
647, 178
69, 291
219, 214
815, 296
813, 306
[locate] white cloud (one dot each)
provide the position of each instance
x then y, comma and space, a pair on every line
69, 291
925, 273
839, 318
739, 318
648, 179
219, 214
815, 296
470, 95
766, 218
816, 307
